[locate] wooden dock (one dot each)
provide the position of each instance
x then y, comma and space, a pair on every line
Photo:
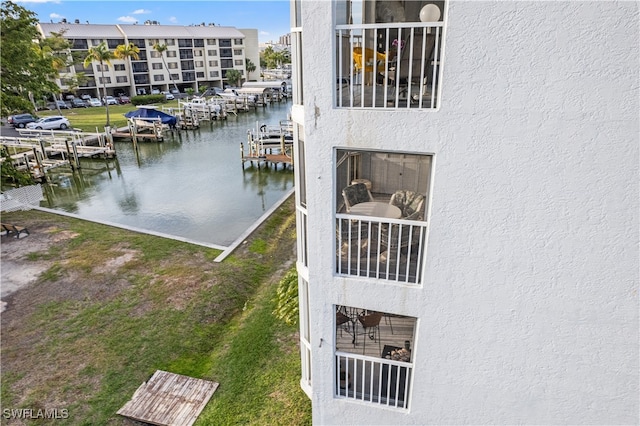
169, 399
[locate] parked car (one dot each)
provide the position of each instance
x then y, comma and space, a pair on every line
155, 92
110, 100
175, 91
78, 103
21, 120
85, 97
94, 102
124, 99
48, 123
168, 96
60, 104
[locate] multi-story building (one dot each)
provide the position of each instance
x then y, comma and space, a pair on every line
467, 210
196, 56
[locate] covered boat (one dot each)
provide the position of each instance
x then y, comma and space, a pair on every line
152, 114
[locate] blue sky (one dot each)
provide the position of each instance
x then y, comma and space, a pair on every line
271, 18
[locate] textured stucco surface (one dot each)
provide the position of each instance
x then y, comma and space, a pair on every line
529, 309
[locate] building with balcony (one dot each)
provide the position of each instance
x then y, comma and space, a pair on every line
467, 210
196, 56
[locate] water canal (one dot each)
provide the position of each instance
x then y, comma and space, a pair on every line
193, 185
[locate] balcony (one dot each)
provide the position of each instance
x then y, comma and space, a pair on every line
390, 63
381, 214
373, 364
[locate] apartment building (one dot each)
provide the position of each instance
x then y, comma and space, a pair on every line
467, 210
196, 56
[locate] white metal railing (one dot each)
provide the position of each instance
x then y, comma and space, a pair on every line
394, 65
391, 249
376, 380
302, 223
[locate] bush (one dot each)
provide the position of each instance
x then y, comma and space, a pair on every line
287, 298
148, 99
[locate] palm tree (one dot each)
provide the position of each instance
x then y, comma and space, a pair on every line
103, 55
126, 52
233, 76
250, 66
161, 48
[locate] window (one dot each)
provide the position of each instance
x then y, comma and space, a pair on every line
395, 64
170, 41
237, 41
199, 64
211, 41
96, 41
172, 65
103, 67
185, 42
140, 42
226, 63
237, 52
225, 43
188, 76
171, 53
200, 74
212, 52
119, 67
213, 63
112, 43
374, 246
374, 356
226, 53
155, 54
238, 62
153, 41
158, 77
122, 79
198, 42
104, 80
214, 74
186, 54
175, 76
197, 53
156, 66
186, 65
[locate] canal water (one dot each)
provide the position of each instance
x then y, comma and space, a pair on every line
193, 185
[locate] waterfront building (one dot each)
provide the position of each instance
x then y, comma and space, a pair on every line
196, 56
467, 210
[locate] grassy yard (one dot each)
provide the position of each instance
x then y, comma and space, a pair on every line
87, 119
113, 306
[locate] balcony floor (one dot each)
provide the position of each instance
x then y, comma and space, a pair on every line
363, 97
402, 331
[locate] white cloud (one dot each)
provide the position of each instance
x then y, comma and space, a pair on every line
173, 19
55, 16
140, 12
264, 33
128, 19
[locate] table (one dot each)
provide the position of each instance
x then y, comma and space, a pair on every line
393, 377
376, 209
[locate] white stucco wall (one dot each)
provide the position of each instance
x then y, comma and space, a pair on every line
529, 310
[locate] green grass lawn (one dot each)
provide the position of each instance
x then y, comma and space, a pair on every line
88, 119
113, 306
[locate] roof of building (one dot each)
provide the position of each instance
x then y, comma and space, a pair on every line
72, 30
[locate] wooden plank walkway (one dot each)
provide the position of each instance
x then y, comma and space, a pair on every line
169, 399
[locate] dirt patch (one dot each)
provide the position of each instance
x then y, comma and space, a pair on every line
18, 270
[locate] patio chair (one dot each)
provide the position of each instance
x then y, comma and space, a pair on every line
355, 194
371, 324
411, 204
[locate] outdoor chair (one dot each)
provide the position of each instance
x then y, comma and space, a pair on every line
411, 204
371, 324
14, 230
355, 194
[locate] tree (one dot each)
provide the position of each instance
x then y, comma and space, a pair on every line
26, 68
233, 77
250, 66
161, 48
103, 55
126, 52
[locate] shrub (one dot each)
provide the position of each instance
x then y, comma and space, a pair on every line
287, 298
148, 99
